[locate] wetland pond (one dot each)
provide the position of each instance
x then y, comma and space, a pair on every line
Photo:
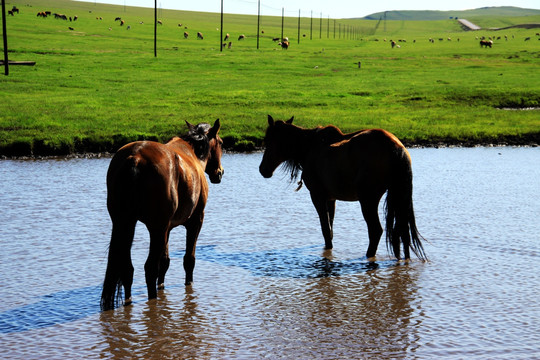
263, 285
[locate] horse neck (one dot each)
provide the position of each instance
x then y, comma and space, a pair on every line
185, 146
300, 142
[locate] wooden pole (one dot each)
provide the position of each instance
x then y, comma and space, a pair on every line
4, 33
155, 28
299, 26
320, 27
258, 22
282, 21
311, 27
221, 30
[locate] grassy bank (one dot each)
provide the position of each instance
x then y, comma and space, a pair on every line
99, 85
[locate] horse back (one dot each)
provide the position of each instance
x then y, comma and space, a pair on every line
361, 161
155, 182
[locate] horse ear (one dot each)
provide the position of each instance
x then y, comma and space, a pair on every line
270, 120
190, 127
212, 133
290, 120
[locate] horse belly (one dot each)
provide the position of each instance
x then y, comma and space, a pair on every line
349, 177
190, 195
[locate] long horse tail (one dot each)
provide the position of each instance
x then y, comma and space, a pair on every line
400, 220
121, 182
111, 295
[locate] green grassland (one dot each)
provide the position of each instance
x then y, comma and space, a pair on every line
99, 85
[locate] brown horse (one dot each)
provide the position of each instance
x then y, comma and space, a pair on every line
162, 186
361, 166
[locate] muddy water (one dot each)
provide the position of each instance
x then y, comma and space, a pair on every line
264, 287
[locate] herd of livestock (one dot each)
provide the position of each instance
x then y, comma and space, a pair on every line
284, 43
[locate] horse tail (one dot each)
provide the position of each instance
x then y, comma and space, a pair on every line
400, 220
111, 295
121, 183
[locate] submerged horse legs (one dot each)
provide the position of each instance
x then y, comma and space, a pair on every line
164, 264
371, 216
193, 227
158, 245
326, 210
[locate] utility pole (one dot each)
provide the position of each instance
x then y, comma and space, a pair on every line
221, 29
155, 28
6, 61
258, 22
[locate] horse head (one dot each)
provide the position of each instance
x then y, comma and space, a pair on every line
279, 143
208, 147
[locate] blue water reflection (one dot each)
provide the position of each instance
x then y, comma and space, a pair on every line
296, 263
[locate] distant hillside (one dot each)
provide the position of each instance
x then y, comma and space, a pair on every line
421, 15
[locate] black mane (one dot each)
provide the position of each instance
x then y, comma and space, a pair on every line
198, 139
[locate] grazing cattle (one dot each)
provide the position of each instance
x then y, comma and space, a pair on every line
10, 12
179, 25
75, 18
275, 39
186, 34
242, 37
42, 14
118, 19
122, 22
230, 44
70, 28
200, 35
226, 37
527, 38
15, 9
486, 43
284, 45
393, 43
159, 22
60, 16
128, 27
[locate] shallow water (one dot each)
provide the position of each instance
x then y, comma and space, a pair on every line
264, 287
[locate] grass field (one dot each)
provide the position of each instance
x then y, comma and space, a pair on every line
99, 85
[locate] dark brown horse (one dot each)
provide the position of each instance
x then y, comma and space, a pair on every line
162, 186
361, 166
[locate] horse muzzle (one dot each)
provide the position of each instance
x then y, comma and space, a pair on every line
265, 172
216, 177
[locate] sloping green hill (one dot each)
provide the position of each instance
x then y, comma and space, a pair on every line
499, 11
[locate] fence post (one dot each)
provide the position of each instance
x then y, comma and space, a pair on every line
6, 61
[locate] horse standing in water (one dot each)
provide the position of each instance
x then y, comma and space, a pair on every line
360, 166
162, 186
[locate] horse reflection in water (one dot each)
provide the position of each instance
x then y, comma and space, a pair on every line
360, 166
162, 186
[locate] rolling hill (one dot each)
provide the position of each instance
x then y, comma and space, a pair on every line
499, 11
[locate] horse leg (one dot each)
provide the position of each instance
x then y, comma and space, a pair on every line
158, 243
325, 210
164, 264
371, 216
193, 228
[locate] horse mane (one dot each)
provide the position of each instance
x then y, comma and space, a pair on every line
321, 136
198, 139
293, 167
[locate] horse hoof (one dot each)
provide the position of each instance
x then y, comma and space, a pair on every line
161, 286
128, 302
